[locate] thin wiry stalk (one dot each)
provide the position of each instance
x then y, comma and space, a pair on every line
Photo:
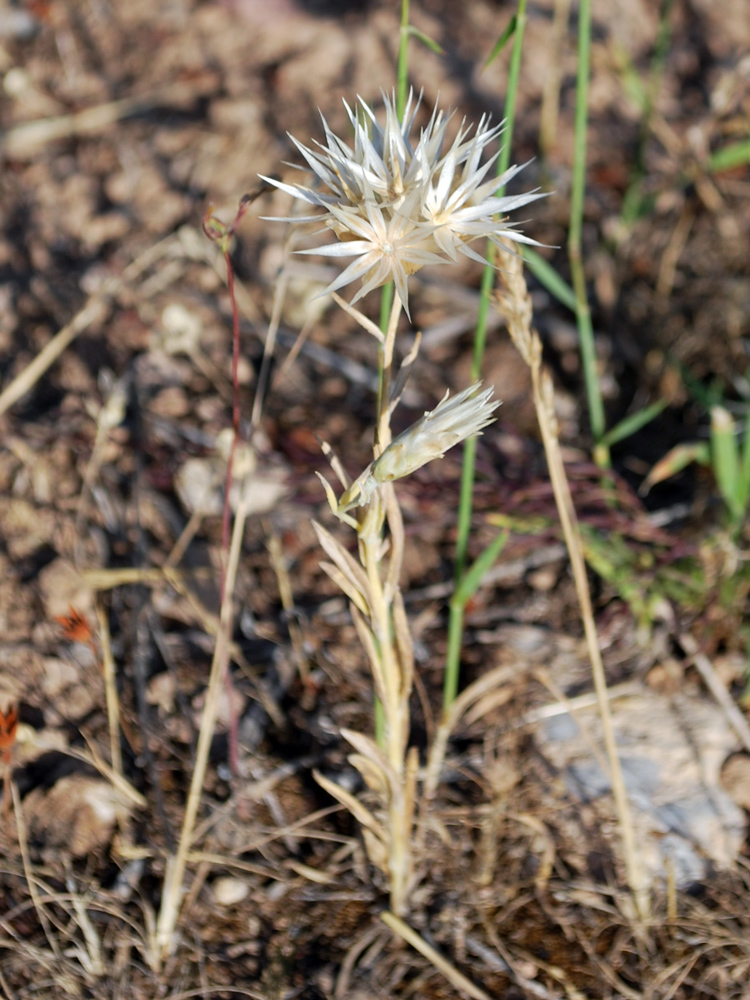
222, 235
172, 891
466, 499
402, 81
459, 980
110, 688
516, 304
577, 194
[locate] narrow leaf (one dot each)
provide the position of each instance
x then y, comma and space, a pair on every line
745, 471
426, 40
403, 373
343, 583
726, 460
364, 816
502, 41
372, 775
675, 461
369, 748
632, 423
338, 554
547, 276
472, 578
736, 154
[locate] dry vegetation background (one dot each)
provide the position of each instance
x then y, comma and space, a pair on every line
121, 124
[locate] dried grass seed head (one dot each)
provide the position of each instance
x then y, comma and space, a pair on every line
396, 206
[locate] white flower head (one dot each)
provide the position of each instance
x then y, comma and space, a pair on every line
396, 206
452, 421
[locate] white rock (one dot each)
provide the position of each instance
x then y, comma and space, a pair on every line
229, 891
672, 751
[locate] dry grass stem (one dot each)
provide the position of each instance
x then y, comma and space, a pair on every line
467, 699
173, 883
717, 688
515, 301
24, 139
372, 586
94, 312
110, 689
459, 980
23, 846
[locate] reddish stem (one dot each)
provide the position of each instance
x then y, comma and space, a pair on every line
222, 234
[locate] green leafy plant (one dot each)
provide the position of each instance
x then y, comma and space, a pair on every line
727, 453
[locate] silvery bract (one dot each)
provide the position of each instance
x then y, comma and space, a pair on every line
452, 421
396, 207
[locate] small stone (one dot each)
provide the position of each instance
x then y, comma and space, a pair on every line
197, 483
161, 692
228, 891
77, 814
62, 588
544, 579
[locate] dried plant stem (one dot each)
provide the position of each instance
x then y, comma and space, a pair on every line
110, 688
383, 435
172, 892
396, 673
382, 627
94, 312
23, 846
417, 942
371, 539
515, 300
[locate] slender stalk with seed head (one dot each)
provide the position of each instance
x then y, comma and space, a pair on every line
515, 301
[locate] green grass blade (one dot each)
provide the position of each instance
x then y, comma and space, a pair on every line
745, 469
736, 154
488, 278
726, 460
548, 277
632, 423
465, 590
473, 577
426, 40
402, 72
501, 42
577, 195
466, 500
